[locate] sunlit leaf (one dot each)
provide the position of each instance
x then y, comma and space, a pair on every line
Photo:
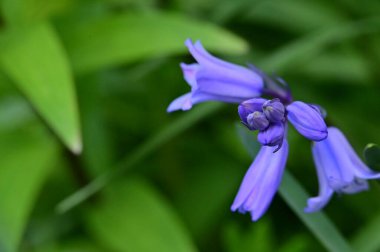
26, 158
35, 60
22, 12
125, 38
134, 217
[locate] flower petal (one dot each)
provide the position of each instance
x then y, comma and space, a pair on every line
227, 82
325, 192
261, 182
307, 121
335, 163
273, 135
359, 168
183, 102
189, 73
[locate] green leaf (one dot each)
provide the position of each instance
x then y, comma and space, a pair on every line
128, 37
318, 223
35, 60
372, 156
134, 217
26, 158
23, 12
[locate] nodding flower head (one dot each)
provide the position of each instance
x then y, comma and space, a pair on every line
339, 168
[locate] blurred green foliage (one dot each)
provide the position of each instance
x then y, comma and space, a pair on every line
84, 87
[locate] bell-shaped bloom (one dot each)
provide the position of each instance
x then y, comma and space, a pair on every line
339, 169
307, 120
261, 181
212, 79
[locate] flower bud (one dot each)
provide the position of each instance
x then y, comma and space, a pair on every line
273, 135
248, 107
257, 121
274, 110
307, 120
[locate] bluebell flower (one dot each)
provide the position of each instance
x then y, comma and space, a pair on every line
339, 169
261, 181
212, 79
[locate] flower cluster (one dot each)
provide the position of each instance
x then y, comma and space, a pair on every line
339, 169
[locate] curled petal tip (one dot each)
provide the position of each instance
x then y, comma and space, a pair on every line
188, 42
181, 103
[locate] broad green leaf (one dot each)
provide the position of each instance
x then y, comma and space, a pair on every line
132, 216
26, 158
23, 12
125, 38
36, 62
372, 156
318, 223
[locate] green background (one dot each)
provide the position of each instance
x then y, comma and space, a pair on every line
90, 160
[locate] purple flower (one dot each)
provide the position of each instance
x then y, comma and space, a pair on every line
212, 79
307, 120
261, 181
339, 169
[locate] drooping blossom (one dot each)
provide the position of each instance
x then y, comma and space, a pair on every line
339, 169
263, 178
